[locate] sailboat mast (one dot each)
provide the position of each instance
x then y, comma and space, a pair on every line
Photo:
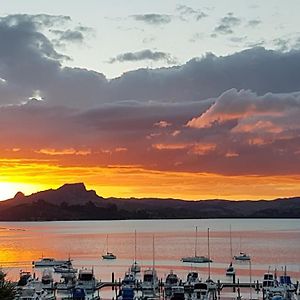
107, 243
230, 243
153, 253
196, 241
208, 253
135, 246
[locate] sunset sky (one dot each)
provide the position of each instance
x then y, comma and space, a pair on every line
182, 99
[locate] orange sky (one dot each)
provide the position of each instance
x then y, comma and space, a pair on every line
133, 181
213, 126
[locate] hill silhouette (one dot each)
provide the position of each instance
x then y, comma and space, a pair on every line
75, 202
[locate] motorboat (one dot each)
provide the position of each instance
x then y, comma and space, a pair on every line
268, 281
201, 291
286, 283
65, 268
47, 279
242, 256
86, 280
82, 294
67, 282
191, 280
128, 293
150, 284
129, 280
40, 290
50, 262
30, 293
25, 278
177, 292
171, 281
230, 271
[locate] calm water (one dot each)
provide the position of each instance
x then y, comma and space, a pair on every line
271, 243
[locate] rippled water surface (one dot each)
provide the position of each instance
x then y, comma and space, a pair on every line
271, 243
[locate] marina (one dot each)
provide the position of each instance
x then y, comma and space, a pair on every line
148, 259
149, 286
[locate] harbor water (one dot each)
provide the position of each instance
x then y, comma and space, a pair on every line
270, 243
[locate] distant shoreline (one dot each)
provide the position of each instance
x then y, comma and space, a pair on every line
72, 202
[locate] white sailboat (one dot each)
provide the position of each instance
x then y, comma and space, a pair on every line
196, 258
108, 255
230, 271
135, 267
150, 284
242, 256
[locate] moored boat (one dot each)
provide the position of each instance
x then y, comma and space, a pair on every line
50, 262
242, 256
171, 281
108, 255
64, 269
230, 271
196, 258
86, 280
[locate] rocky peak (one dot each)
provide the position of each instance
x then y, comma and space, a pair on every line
73, 188
19, 195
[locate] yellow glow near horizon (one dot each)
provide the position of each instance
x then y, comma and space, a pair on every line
9, 189
132, 181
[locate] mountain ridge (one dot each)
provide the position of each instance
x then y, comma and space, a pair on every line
73, 201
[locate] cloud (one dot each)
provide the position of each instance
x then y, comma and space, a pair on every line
253, 23
162, 124
245, 105
69, 35
153, 19
187, 11
37, 21
227, 24
146, 54
35, 67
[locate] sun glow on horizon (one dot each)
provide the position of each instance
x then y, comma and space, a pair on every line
134, 181
9, 189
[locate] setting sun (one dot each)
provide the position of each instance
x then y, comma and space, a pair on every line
9, 189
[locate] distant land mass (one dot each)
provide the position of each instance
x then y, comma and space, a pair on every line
75, 202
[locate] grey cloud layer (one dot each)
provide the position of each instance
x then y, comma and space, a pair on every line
30, 63
227, 24
153, 19
187, 11
241, 131
146, 54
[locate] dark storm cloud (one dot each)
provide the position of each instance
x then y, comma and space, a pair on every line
146, 54
153, 19
227, 24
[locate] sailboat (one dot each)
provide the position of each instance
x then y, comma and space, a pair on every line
135, 267
242, 255
150, 284
230, 271
196, 258
108, 255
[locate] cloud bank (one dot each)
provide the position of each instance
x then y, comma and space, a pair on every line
232, 115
